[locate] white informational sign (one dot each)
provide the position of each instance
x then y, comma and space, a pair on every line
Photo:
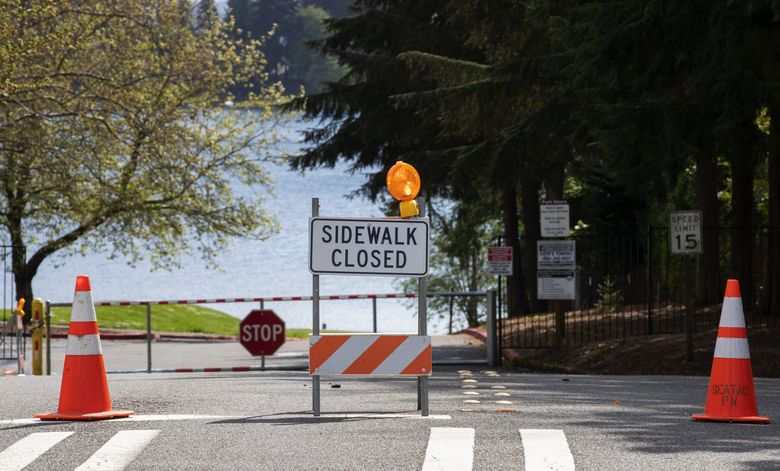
500, 261
556, 255
554, 218
685, 232
555, 284
371, 246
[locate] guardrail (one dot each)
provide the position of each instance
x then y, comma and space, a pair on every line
491, 344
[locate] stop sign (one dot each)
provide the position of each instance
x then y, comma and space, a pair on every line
261, 332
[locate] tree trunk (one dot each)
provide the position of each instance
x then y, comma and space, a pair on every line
773, 258
516, 302
742, 173
708, 289
553, 184
22, 278
530, 197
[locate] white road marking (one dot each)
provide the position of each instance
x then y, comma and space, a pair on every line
132, 418
546, 450
387, 416
450, 449
119, 451
26, 450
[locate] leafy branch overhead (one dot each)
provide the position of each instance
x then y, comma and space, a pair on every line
112, 134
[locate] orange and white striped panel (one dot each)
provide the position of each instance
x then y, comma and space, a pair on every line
367, 354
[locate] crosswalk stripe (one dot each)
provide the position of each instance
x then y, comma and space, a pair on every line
450, 449
119, 451
546, 450
26, 450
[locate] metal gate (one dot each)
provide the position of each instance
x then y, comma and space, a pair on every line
631, 285
9, 344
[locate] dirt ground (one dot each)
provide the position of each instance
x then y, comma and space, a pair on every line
652, 355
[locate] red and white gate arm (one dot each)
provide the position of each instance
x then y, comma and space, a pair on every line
366, 354
257, 300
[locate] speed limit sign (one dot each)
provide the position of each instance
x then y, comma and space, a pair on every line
685, 232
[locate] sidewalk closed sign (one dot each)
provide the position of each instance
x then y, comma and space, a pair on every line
372, 246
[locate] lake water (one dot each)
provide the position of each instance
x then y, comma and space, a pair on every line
276, 266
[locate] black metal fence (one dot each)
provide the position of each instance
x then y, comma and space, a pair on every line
9, 345
632, 285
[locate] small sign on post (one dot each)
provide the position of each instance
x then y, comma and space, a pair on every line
555, 284
685, 232
554, 218
556, 255
500, 261
556, 263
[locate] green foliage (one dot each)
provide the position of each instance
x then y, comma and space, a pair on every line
458, 262
633, 102
291, 26
610, 298
165, 318
112, 136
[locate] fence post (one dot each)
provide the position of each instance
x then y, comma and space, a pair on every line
490, 297
649, 296
452, 300
689, 313
560, 323
148, 337
373, 305
48, 338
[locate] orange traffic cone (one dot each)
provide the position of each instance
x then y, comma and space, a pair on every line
84, 391
731, 396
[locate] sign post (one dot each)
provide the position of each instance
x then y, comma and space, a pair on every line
373, 247
556, 261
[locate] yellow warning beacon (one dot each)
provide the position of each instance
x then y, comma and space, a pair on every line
403, 183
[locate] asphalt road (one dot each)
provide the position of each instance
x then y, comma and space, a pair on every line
263, 420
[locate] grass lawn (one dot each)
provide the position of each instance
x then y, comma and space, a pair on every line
167, 318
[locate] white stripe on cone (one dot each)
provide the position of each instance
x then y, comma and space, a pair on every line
83, 310
731, 314
734, 348
84, 345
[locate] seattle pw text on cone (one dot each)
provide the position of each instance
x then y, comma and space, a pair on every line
731, 396
84, 391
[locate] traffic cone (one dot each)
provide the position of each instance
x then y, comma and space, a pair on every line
731, 396
84, 391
